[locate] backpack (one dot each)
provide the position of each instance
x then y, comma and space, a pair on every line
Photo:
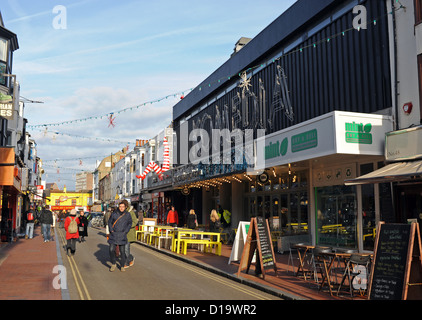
30, 216
73, 226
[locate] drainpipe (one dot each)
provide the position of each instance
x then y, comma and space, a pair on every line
396, 98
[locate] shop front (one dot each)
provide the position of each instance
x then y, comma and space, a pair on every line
11, 195
400, 179
302, 190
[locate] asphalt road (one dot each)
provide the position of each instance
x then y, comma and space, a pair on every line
155, 276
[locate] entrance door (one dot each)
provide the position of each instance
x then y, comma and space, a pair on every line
336, 216
409, 203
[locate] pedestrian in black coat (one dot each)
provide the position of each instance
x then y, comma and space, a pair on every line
119, 225
83, 227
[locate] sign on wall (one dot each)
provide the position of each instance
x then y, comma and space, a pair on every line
404, 145
334, 133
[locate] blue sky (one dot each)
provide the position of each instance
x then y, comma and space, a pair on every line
114, 55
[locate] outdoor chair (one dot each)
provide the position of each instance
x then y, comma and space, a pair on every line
357, 272
318, 260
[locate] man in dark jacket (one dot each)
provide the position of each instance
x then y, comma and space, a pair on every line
119, 225
46, 220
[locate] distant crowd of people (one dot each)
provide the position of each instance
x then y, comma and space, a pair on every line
120, 224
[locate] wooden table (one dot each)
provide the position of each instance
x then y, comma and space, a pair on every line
330, 257
306, 248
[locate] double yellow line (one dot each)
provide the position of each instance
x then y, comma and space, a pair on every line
80, 284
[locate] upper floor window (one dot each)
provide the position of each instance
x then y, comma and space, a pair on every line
418, 11
3, 50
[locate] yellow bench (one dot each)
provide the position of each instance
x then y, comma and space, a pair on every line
209, 244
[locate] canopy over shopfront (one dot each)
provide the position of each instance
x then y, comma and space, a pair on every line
403, 150
395, 172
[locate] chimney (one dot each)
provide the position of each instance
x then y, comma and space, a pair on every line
240, 44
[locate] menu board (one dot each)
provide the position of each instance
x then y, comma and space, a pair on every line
265, 243
390, 263
258, 240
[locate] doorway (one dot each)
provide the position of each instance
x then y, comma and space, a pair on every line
409, 203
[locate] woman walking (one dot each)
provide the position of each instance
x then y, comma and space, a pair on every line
214, 221
83, 227
71, 226
192, 220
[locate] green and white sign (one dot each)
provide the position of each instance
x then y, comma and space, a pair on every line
334, 133
358, 133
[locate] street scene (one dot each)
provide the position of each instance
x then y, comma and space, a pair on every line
219, 158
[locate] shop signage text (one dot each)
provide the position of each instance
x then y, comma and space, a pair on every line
300, 142
358, 133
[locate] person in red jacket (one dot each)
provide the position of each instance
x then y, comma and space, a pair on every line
172, 217
71, 237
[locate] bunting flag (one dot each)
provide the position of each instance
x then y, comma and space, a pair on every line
166, 163
155, 167
152, 166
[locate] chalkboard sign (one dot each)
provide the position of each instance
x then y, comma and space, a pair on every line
265, 243
258, 239
395, 248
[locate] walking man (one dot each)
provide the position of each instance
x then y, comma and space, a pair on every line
173, 217
119, 225
46, 220
30, 219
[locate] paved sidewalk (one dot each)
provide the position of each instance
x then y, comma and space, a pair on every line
26, 269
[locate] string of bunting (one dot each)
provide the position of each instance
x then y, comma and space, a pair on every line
45, 131
218, 81
110, 114
74, 159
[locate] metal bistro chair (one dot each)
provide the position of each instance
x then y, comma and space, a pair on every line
357, 273
338, 269
290, 261
307, 258
318, 261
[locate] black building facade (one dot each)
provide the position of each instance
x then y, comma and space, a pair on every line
303, 68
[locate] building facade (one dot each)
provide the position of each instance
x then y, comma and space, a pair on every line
311, 100
400, 181
20, 168
303, 126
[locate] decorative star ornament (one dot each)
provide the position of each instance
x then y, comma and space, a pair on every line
245, 82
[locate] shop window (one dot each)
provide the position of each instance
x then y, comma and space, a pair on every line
368, 209
283, 201
337, 216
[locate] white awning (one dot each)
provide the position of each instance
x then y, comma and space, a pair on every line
400, 171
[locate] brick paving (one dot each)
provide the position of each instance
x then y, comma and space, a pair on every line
26, 269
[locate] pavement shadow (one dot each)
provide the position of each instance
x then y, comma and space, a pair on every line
103, 254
